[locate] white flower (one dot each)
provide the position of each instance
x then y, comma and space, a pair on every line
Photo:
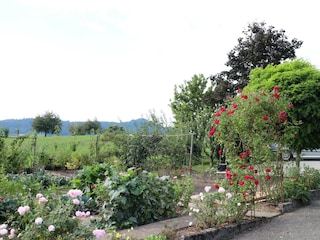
3, 231
39, 195
3, 226
207, 188
239, 204
38, 220
51, 228
228, 195
190, 224
201, 196
221, 190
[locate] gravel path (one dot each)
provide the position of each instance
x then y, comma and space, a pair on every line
303, 223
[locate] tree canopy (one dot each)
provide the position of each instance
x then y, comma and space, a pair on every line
47, 123
259, 47
299, 81
88, 127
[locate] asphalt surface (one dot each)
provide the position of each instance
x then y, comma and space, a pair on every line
302, 223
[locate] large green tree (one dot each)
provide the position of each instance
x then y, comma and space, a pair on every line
259, 47
47, 123
299, 81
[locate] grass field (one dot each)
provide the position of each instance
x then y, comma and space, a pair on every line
53, 144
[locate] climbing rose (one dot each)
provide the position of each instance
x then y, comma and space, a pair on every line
290, 105
213, 130
244, 96
241, 183
268, 177
256, 182
265, 118
268, 170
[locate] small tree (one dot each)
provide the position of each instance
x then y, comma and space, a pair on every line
190, 112
47, 123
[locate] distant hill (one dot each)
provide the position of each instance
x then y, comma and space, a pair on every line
24, 126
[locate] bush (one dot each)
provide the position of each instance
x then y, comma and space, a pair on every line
89, 176
135, 198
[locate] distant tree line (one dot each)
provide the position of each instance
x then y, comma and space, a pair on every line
50, 123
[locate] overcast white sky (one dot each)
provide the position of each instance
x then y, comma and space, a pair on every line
117, 60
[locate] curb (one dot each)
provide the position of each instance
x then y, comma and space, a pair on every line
226, 232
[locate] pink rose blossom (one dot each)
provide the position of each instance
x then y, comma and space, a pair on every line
23, 210
42, 200
75, 193
99, 233
76, 201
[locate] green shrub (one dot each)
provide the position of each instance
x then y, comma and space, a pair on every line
89, 176
135, 198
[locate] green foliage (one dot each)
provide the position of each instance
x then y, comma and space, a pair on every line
184, 188
88, 127
12, 158
47, 123
190, 112
299, 81
295, 188
155, 237
89, 176
4, 132
134, 198
154, 147
297, 184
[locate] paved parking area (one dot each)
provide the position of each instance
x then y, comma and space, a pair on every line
302, 223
